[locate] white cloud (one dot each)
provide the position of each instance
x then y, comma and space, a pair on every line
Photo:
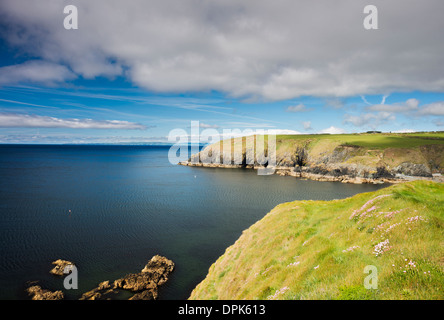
241, 124
206, 125
298, 108
335, 103
307, 125
434, 109
438, 123
333, 130
282, 132
404, 131
372, 120
35, 71
409, 105
365, 100
10, 120
266, 49
79, 139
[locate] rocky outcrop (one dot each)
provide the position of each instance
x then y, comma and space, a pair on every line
145, 283
413, 169
104, 289
38, 293
60, 266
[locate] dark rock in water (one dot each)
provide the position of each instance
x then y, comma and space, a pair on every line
60, 267
38, 293
144, 295
136, 282
103, 289
145, 283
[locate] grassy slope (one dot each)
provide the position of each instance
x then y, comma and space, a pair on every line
318, 249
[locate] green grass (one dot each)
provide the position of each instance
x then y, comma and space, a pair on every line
377, 141
319, 249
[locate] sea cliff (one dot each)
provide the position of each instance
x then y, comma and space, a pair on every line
349, 158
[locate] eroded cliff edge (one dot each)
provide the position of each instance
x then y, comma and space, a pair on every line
352, 158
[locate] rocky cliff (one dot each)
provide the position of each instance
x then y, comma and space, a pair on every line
355, 158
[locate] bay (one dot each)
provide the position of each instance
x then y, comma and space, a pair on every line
110, 208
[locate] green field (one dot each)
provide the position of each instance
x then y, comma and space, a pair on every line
372, 140
319, 249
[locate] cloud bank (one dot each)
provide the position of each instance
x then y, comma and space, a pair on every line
270, 50
13, 120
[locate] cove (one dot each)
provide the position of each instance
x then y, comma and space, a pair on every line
109, 209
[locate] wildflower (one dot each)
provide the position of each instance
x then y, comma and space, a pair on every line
390, 214
277, 293
411, 265
380, 226
391, 227
294, 263
350, 249
415, 219
316, 267
382, 247
361, 210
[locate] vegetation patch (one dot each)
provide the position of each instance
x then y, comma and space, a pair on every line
320, 249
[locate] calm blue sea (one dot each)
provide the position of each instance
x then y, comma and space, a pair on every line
109, 209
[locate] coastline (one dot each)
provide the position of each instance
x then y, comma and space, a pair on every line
305, 174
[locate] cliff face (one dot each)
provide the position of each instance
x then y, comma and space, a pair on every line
347, 158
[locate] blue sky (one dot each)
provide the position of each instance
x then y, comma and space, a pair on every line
228, 66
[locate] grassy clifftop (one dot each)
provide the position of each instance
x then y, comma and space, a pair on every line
319, 249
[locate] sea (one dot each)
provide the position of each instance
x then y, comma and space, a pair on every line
110, 208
